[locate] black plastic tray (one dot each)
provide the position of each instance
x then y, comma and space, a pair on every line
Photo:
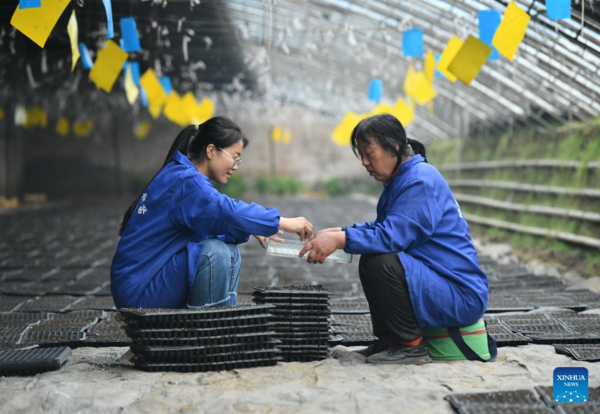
510, 339
207, 340
32, 361
68, 338
201, 350
580, 352
259, 318
518, 398
293, 290
216, 366
249, 354
282, 299
176, 315
194, 332
48, 303
356, 339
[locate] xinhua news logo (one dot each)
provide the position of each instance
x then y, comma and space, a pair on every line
570, 385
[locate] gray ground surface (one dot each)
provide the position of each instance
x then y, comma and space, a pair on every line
102, 380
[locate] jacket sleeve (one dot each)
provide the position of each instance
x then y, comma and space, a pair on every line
230, 240
365, 225
202, 209
410, 222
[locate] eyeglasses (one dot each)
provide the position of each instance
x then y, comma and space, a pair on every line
237, 160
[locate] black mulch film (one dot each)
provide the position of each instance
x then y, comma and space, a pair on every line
32, 361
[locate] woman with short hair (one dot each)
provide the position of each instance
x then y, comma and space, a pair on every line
419, 268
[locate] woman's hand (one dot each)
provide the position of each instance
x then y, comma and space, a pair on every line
329, 230
323, 245
299, 225
263, 240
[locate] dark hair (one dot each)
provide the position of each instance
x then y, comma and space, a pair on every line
388, 132
192, 141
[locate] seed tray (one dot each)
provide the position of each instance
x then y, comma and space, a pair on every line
216, 366
302, 346
256, 319
10, 303
106, 338
78, 315
502, 309
64, 326
304, 358
300, 312
48, 303
66, 338
578, 408
212, 358
201, 350
294, 318
177, 315
282, 299
547, 394
504, 409
293, 290
299, 343
32, 361
302, 334
207, 340
291, 307
580, 352
352, 320
357, 339
194, 332
517, 398
510, 339
18, 318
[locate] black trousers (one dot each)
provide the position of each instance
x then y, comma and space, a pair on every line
384, 282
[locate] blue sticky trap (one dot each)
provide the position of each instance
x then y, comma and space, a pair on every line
29, 4
110, 30
489, 20
376, 90
86, 59
437, 72
143, 97
558, 9
129, 35
135, 72
412, 43
165, 81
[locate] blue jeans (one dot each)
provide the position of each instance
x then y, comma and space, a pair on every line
217, 277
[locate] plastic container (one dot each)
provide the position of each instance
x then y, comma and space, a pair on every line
292, 248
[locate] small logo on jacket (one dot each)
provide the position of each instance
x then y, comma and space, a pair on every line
570, 385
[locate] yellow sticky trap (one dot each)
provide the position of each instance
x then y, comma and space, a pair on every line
37, 22
36, 116
343, 132
409, 81
131, 90
1, 113
404, 112
142, 129
469, 60
452, 48
206, 109
174, 110
83, 129
511, 31
108, 65
429, 66
62, 127
73, 30
154, 90
276, 134
155, 110
191, 108
287, 136
383, 108
422, 89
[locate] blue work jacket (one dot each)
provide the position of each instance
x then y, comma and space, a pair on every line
419, 218
179, 209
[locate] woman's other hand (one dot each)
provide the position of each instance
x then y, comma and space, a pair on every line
299, 225
321, 246
329, 230
263, 240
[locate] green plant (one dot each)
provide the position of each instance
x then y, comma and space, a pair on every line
235, 188
278, 184
333, 187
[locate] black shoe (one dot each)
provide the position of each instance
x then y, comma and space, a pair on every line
402, 355
375, 348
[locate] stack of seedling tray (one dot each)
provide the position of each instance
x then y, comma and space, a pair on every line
300, 320
199, 340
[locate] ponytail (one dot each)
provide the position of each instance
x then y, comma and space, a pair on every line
180, 144
192, 142
417, 147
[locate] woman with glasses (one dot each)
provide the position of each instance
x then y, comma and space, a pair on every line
179, 237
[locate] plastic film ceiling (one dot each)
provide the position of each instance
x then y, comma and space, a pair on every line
322, 54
